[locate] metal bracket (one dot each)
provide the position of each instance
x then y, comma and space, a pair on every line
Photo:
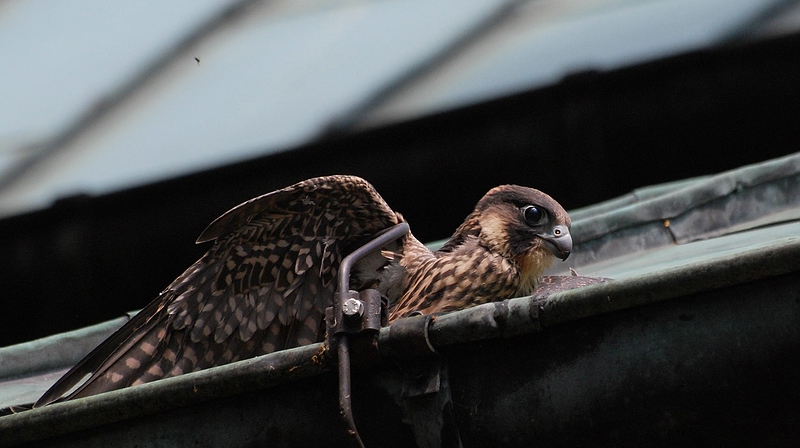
354, 312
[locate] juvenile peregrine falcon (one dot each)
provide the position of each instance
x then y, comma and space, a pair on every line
265, 283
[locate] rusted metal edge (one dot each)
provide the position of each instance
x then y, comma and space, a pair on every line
502, 319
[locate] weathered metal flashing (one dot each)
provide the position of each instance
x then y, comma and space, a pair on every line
692, 210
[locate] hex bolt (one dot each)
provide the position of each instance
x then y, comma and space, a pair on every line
353, 308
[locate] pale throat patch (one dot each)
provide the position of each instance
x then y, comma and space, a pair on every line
532, 266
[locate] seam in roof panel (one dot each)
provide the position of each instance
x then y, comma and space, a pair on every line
347, 120
746, 30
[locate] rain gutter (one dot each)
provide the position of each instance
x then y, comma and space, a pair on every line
495, 320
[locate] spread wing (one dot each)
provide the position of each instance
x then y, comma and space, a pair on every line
263, 286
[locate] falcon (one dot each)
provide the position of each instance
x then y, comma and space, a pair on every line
271, 272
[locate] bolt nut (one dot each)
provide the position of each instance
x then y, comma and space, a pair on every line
353, 307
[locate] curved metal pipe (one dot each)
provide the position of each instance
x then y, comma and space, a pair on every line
389, 235
345, 402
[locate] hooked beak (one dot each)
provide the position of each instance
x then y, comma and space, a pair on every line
558, 241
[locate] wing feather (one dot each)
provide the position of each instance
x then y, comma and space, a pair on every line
263, 286
249, 317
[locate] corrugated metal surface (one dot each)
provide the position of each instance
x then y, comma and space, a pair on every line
99, 97
540, 42
64, 60
61, 58
270, 76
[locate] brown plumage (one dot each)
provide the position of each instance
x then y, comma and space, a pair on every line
266, 281
499, 252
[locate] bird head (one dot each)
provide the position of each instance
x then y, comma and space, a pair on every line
521, 224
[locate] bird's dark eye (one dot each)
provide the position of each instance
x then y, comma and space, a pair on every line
533, 215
